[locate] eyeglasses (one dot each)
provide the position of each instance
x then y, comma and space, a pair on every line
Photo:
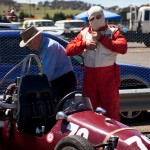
97, 17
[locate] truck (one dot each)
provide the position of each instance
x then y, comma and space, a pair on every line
43, 24
138, 25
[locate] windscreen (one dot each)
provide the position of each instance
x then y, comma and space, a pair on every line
44, 24
74, 24
147, 15
78, 103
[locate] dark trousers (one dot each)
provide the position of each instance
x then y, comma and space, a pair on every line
63, 85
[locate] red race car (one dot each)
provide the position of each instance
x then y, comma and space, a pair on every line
29, 120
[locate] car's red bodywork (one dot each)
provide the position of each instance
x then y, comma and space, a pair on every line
94, 127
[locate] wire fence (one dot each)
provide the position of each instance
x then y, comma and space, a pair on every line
133, 74
11, 54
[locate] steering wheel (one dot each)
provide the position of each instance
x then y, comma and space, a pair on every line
68, 96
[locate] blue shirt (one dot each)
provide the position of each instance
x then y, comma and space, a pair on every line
54, 60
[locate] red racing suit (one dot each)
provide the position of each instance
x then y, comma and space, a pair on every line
101, 79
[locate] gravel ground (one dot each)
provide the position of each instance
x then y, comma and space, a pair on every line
142, 125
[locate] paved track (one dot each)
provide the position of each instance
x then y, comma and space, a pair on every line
138, 54
142, 125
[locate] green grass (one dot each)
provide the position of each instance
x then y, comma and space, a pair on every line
41, 11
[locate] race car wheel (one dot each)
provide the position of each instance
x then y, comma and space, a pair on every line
73, 142
132, 116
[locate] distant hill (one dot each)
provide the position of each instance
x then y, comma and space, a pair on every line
42, 8
51, 8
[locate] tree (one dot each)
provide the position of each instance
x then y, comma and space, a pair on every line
47, 17
59, 16
23, 15
40, 3
46, 3
123, 13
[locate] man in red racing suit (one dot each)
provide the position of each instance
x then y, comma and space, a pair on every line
100, 44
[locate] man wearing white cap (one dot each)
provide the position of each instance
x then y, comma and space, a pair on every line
55, 63
100, 43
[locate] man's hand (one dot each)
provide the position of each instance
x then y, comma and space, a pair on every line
91, 45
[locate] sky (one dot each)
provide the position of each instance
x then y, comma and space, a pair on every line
105, 3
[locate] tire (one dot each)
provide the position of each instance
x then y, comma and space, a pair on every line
147, 40
132, 116
147, 43
73, 142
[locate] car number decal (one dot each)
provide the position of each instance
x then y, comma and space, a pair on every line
74, 128
50, 137
138, 141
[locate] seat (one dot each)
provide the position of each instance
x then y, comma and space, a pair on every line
36, 105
